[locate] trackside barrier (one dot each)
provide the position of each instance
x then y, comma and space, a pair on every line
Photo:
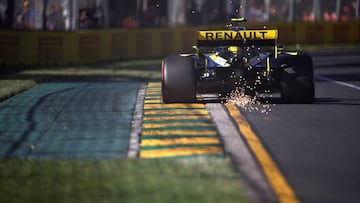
72, 48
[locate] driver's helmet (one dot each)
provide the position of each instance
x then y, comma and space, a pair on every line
233, 49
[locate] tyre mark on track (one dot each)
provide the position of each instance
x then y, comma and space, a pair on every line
177, 130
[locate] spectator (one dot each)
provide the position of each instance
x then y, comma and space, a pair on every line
279, 11
130, 22
51, 18
329, 16
98, 17
60, 20
255, 13
346, 13
84, 20
308, 16
176, 13
24, 17
149, 16
54, 19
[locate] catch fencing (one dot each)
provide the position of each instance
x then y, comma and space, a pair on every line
72, 48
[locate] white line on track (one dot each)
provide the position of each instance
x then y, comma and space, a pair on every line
338, 82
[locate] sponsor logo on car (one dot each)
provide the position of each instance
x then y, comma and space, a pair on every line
238, 35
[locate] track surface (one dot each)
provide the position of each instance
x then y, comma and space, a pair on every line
316, 146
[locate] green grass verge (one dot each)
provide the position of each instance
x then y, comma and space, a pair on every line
13, 82
150, 181
10, 87
140, 69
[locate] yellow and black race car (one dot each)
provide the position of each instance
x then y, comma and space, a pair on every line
238, 58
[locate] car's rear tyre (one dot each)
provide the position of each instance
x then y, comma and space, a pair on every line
178, 79
297, 80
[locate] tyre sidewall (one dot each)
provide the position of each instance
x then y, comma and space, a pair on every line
178, 82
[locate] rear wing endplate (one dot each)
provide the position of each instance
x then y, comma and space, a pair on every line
237, 38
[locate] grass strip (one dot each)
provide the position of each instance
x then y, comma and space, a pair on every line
9, 87
17, 79
190, 180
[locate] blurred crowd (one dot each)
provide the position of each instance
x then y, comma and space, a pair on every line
94, 14
160, 13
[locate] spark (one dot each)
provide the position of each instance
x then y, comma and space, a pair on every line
247, 102
240, 97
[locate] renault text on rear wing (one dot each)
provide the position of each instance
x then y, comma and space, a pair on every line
237, 38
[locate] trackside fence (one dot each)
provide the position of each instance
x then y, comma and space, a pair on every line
85, 47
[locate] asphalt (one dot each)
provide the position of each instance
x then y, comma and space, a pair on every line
68, 120
316, 146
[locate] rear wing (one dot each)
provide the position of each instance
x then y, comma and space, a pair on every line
237, 38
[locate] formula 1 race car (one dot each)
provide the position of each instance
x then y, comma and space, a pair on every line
238, 58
